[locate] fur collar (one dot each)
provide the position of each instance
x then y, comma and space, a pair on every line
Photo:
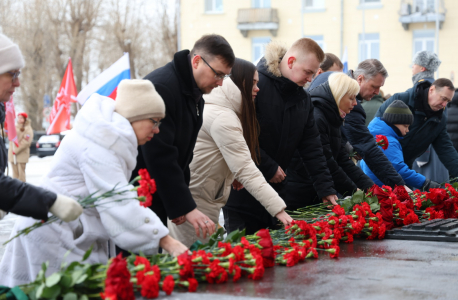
273, 56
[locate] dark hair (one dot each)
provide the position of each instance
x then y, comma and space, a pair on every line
329, 60
444, 82
213, 45
242, 75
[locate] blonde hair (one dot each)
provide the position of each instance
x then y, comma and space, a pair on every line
305, 46
341, 84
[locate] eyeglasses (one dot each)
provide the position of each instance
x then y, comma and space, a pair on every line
217, 76
156, 124
14, 75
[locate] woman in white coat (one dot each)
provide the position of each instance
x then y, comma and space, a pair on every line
99, 153
226, 153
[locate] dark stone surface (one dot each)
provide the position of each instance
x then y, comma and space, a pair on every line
386, 269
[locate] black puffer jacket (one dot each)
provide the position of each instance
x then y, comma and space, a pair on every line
356, 132
168, 155
19, 197
285, 115
345, 174
452, 120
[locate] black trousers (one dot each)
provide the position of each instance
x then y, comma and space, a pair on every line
234, 220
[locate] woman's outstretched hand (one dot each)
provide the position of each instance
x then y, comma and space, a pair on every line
172, 246
284, 218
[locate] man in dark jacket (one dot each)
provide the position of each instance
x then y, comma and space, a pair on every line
346, 175
181, 84
285, 115
16, 196
452, 120
370, 75
428, 104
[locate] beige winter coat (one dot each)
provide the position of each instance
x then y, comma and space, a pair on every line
220, 156
24, 139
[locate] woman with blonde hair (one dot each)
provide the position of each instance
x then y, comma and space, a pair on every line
19, 155
227, 151
333, 100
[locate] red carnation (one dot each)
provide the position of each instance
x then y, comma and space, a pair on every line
267, 251
168, 284
338, 210
237, 274
186, 270
227, 248
382, 141
334, 251
239, 253
150, 287
118, 280
193, 284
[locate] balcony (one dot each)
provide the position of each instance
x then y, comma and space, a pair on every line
421, 12
257, 19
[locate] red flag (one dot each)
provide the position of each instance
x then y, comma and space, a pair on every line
59, 118
10, 126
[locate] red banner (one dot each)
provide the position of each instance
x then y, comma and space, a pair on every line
59, 118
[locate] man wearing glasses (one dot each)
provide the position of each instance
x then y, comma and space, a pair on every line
181, 84
428, 103
15, 196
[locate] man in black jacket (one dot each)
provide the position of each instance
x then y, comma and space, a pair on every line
370, 75
181, 84
16, 196
285, 115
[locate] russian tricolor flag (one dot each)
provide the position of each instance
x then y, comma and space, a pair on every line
107, 82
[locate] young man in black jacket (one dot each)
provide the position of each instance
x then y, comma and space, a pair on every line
370, 75
181, 84
285, 115
16, 196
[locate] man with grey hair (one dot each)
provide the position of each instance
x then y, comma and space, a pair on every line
424, 65
370, 75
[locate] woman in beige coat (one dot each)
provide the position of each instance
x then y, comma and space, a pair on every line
226, 152
19, 156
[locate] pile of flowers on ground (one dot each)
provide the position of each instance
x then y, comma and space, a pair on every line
316, 229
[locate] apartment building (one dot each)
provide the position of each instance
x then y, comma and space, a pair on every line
389, 30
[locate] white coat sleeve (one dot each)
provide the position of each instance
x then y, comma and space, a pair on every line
227, 133
131, 226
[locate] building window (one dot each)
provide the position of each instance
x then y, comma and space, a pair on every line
424, 40
319, 39
259, 47
314, 5
213, 6
424, 6
369, 47
260, 3
370, 4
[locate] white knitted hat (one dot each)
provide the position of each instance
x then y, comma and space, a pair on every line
10, 55
137, 100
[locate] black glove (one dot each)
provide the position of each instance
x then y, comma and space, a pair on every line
429, 184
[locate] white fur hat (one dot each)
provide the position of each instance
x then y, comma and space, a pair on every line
10, 55
137, 100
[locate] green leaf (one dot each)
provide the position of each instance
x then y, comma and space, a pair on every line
357, 197
230, 237
195, 246
81, 279
39, 292
53, 279
72, 266
88, 253
70, 296
76, 275
51, 292
84, 297
66, 281
375, 207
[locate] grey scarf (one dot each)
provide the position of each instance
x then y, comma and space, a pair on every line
422, 75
